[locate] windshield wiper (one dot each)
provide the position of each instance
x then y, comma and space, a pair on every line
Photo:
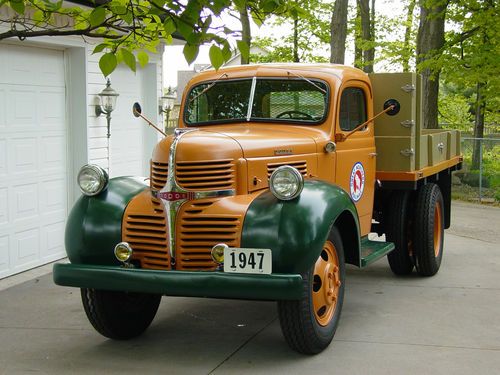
308, 81
208, 87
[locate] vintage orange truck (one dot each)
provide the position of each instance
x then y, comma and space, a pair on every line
273, 181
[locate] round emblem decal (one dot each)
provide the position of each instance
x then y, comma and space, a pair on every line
357, 181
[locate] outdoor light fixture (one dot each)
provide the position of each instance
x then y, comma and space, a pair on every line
166, 105
107, 103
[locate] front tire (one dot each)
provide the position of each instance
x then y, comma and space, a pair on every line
119, 315
429, 230
309, 324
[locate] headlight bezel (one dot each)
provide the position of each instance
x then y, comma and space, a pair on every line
100, 175
294, 173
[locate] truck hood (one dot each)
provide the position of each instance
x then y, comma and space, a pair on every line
268, 140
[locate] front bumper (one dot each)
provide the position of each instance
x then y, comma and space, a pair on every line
180, 283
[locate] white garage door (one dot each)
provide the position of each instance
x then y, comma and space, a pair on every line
33, 157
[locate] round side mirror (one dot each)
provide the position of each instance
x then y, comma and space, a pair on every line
395, 106
136, 109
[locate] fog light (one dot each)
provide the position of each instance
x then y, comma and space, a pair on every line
218, 253
123, 252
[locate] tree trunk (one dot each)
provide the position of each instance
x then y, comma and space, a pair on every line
366, 35
296, 40
338, 32
430, 40
406, 46
478, 126
246, 33
358, 51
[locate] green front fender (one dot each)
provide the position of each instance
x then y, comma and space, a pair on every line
94, 224
296, 230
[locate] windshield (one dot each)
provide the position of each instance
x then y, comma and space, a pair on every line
271, 99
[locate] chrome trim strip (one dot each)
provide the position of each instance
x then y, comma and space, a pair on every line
172, 206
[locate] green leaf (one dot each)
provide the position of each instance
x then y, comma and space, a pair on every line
97, 16
244, 49
107, 63
128, 58
143, 58
38, 16
99, 48
169, 26
226, 51
190, 52
216, 57
17, 6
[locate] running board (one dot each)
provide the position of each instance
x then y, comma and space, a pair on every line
373, 250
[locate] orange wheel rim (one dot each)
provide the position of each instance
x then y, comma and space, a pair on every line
326, 284
438, 228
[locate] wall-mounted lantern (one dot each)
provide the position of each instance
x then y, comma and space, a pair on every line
107, 103
166, 105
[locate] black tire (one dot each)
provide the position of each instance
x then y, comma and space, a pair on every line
119, 315
398, 231
428, 230
308, 326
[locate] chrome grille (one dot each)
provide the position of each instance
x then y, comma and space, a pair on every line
206, 175
301, 166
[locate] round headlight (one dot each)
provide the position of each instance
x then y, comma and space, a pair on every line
218, 253
286, 183
92, 179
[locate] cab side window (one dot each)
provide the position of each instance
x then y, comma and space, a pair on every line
352, 108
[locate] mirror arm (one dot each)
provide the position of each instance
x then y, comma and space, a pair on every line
340, 137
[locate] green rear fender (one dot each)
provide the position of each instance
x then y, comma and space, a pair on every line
296, 230
94, 224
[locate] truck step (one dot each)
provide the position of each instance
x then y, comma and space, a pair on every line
373, 250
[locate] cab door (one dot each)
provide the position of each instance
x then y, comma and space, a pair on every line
356, 156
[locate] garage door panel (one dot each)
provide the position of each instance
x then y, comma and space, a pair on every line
3, 114
26, 247
3, 157
53, 240
21, 108
52, 109
52, 152
24, 202
53, 196
23, 155
4, 206
4, 255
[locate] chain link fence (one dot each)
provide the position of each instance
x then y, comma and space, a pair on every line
479, 179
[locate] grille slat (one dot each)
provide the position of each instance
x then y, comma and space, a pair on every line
301, 166
206, 175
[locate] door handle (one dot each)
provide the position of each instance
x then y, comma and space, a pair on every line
372, 154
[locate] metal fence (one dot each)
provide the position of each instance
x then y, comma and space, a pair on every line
479, 180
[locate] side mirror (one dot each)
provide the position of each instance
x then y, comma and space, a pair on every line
395, 106
136, 109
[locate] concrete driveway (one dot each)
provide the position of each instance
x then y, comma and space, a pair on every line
447, 324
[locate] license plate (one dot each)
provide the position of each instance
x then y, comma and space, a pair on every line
247, 260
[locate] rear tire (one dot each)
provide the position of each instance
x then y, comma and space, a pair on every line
429, 229
398, 228
119, 315
309, 324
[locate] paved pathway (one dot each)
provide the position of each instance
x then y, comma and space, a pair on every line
447, 324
